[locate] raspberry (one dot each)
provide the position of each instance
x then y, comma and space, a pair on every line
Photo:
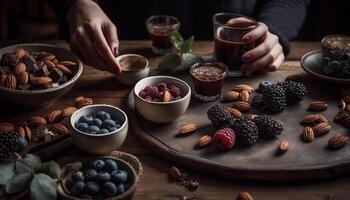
143, 94
175, 91
152, 91
162, 86
148, 98
224, 139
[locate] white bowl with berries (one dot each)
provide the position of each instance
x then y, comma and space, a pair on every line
162, 99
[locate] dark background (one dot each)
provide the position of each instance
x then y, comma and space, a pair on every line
34, 19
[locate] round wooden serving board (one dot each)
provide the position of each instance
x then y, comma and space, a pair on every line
303, 161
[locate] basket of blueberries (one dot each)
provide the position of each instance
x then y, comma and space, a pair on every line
112, 177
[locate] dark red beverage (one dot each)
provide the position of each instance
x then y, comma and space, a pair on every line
231, 53
160, 36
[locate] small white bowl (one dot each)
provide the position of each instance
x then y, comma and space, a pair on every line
100, 144
162, 112
134, 68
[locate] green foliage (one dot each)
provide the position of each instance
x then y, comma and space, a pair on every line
43, 187
18, 183
50, 168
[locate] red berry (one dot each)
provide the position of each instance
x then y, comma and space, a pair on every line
152, 91
224, 139
162, 86
175, 91
143, 94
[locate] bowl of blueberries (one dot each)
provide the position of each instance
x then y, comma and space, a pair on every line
99, 129
104, 177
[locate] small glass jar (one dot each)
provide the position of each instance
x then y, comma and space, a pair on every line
208, 79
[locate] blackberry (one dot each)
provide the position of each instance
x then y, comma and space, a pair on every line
4, 153
274, 98
246, 131
11, 141
295, 91
268, 127
219, 116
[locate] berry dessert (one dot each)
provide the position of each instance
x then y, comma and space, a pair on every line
224, 139
268, 127
99, 179
295, 91
99, 123
11, 142
246, 131
161, 92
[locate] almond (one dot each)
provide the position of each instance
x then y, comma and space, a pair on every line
49, 64
36, 121
338, 141
67, 63
244, 96
242, 87
11, 82
230, 96
241, 106
175, 173
7, 126
321, 129
68, 111
250, 117
318, 106
59, 128
308, 134
188, 129
346, 99
25, 132
234, 112
204, 141
19, 68
167, 96
322, 119
245, 196
41, 80
64, 69
284, 146
54, 116
84, 102
310, 119
22, 78
20, 53
49, 57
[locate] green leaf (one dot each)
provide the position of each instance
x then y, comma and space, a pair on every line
186, 46
169, 61
191, 59
6, 172
43, 187
50, 168
31, 160
18, 183
176, 39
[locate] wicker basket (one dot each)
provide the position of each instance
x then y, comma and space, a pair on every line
128, 161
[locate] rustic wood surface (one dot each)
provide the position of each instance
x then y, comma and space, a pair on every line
155, 184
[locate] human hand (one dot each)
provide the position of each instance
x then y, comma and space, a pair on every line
93, 36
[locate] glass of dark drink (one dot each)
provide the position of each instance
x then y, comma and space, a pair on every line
159, 28
229, 28
208, 79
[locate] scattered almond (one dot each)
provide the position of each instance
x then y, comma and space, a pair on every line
11, 81
20, 53
244, 96
310, 119
308, 134
41, 80
245, 196
204, 141
234, 112
230, 96
175, 173
338, 141
83, 102
64, 69
54, 116
49, 64
22, 78
167, 96
188, 129
284, 146
321, 129
19, 68
59, 128
240, 88
49, 57
322, 119
36, 121
7, 126
318, 106
68, 111
241, 106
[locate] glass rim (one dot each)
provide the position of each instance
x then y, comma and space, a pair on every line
215, 21
220, 64
166, 16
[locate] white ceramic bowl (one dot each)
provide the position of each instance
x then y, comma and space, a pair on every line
100, 144
162, 112
134, 68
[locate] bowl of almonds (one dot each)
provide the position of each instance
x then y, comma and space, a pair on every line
35, 75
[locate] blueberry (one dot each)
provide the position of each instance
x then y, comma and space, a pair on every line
109, 189
83, 127
119, 176
111, 165
97, 122
121, 188
92, 187
93, 129
22, 142
78, 176
108, 123
102, 177
90, 174
86, 196
103, 115
77, 188
102, 131
85, 119
264, 84
113, 129
97, 165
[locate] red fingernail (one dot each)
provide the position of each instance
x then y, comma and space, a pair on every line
246, 58
116, 51
246, 39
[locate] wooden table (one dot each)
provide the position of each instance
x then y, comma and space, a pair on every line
155, 184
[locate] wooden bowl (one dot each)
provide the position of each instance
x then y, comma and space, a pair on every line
45, 97
125, 161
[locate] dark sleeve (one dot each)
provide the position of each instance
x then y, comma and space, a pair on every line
61, 8
283, 18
